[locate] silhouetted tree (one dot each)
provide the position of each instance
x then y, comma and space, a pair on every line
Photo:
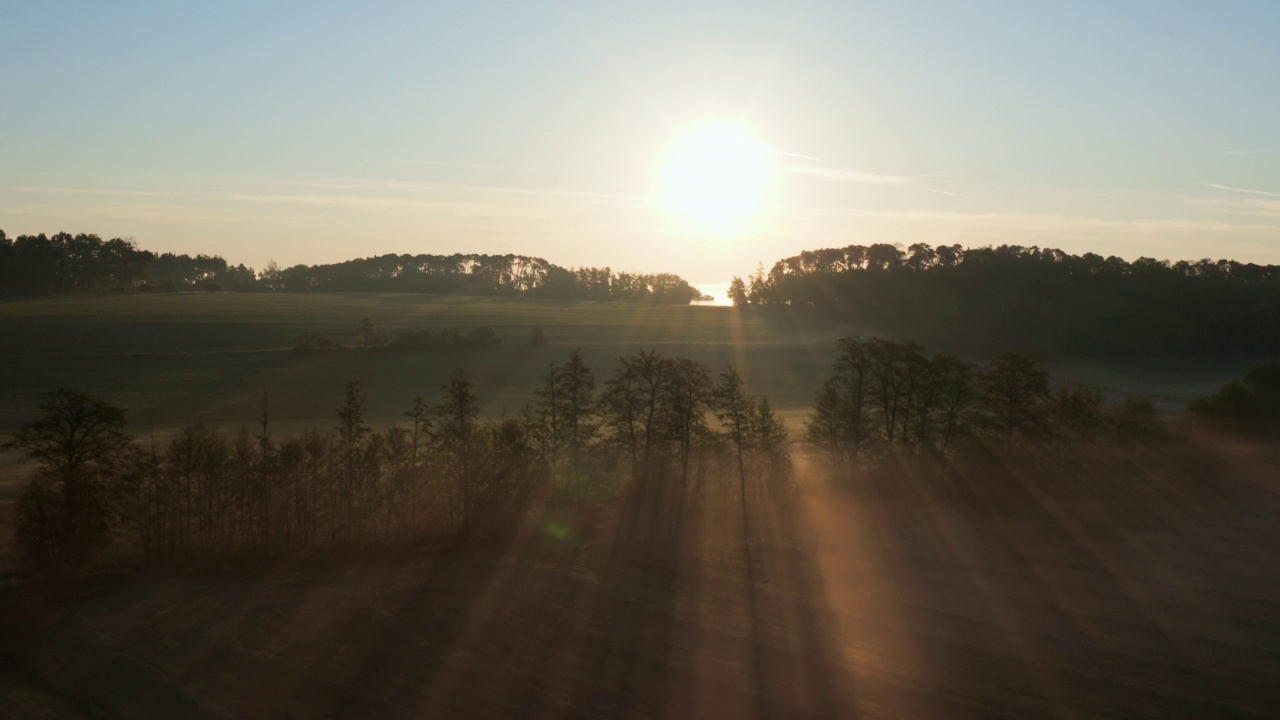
854, 370
455, 436
546, 413
634, 406
352, 434
367, 333
771, 432
736, 412
81, 448
419, 433
620, 409
1255, 397
690, 392
823, 427
1015, 386
578, 403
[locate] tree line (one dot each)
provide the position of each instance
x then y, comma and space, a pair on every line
474, 274
85, 263
1042, 300
64, 264
207, 494
894, 397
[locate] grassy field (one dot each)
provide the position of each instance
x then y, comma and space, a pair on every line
171, 358
1088, 584
174, 358
1133, 582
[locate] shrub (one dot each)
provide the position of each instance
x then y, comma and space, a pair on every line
313, 342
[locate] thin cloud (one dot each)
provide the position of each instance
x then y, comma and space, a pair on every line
845, 174
942, 192
1250, 191
406, 186
97, 191
838, 173
786, 153
1264, 206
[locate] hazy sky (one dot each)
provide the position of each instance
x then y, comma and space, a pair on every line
317, 131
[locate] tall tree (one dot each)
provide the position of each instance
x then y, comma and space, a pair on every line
547, 409
578, 403
81, 446
456, 437
352, 433
419, 432
1015, 387
621, 404
736, 412
771, 431
854, 370
690, 391
823, 427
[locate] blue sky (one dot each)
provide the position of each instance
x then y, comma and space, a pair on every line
315, 131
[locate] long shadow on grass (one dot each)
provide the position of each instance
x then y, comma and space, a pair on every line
797, 668
624, 668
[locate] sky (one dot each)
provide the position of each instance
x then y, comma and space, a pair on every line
306, 132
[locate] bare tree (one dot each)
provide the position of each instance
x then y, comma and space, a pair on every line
81, 447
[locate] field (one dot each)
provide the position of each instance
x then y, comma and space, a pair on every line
170, 359
1086, 585
178, 358
1082, 582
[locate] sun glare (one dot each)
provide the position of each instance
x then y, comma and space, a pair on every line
715, 176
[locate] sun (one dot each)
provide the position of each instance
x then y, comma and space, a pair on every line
715, 175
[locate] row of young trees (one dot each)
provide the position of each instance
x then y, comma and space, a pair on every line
208, 495
1031, 297
85, 263
886, 397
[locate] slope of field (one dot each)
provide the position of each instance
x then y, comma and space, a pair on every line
174, 358
170, 359
1087, 585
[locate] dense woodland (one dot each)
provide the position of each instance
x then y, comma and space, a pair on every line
655, 422
1032, 299
85, 263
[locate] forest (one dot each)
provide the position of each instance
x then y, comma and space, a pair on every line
1035, 299
63, 264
